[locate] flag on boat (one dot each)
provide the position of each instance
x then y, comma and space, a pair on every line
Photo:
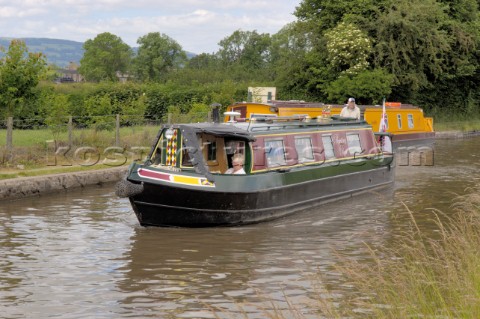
385, 141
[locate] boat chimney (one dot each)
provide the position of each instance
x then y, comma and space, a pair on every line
216, 112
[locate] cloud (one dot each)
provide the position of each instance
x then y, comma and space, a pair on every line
197, 25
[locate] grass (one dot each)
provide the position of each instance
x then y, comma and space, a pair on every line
425, 277
464, 126
456, 122
36, 148
36, 137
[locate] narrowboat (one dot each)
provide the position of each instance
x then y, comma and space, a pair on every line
289, 164
405, 122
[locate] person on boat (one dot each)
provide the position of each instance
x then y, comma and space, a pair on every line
351, 110
237, 163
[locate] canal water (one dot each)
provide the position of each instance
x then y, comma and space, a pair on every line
82, 254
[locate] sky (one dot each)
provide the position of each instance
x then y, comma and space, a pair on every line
197, 25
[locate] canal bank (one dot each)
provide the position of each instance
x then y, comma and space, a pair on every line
456, 134
21, 187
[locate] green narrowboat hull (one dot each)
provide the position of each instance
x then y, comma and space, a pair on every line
245, 199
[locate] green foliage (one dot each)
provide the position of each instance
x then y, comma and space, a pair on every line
369, 86
348, 49
289, 54
98, 108
158, 55
326, 14
20, 72
411, 43
429, 48
56, 108
104, 57
248, 49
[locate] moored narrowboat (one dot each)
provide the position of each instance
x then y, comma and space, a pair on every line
289, 164
406, 123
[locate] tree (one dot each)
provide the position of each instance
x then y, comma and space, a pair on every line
412, 44
158, 55
20, 72
246, 48
104, 57
428, 47
203, 61
289, 59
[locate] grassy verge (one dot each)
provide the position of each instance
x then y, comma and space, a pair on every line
86, 137
14, 173
464, 126
37, 149
456, 122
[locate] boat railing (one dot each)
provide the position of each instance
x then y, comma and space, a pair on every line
269, 123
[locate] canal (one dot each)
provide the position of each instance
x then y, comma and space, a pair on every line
82, 254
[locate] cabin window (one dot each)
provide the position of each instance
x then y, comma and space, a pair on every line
410, 120
186, 160
157, 153
275, 153
212, 151
234, 148
399, 120
353, 142
303, 146
328, 147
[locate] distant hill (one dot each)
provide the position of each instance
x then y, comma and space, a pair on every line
58, 52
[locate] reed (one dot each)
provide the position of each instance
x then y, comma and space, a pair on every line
425, 277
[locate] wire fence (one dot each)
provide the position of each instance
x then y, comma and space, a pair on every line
34, 139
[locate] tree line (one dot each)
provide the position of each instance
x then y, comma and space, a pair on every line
423, 52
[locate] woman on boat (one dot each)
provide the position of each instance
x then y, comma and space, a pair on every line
237, 168
351, 110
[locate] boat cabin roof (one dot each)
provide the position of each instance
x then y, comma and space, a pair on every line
303, 104
248, 130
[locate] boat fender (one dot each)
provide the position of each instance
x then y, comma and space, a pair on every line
125, 188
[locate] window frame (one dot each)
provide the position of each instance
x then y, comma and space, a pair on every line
357, 140
330, 140
304, 159
411, 124
399, 120
269, 149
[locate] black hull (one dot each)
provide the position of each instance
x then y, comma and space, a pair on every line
160, 205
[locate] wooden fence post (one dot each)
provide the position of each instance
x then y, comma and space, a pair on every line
169, 121
117, 131
9, 138
70, 131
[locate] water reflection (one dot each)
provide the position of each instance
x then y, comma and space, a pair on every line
82, 254
184, 271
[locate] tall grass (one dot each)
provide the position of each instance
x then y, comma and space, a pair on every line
425, 277
449, 121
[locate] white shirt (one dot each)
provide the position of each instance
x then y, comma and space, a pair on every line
353, 113
230, 171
